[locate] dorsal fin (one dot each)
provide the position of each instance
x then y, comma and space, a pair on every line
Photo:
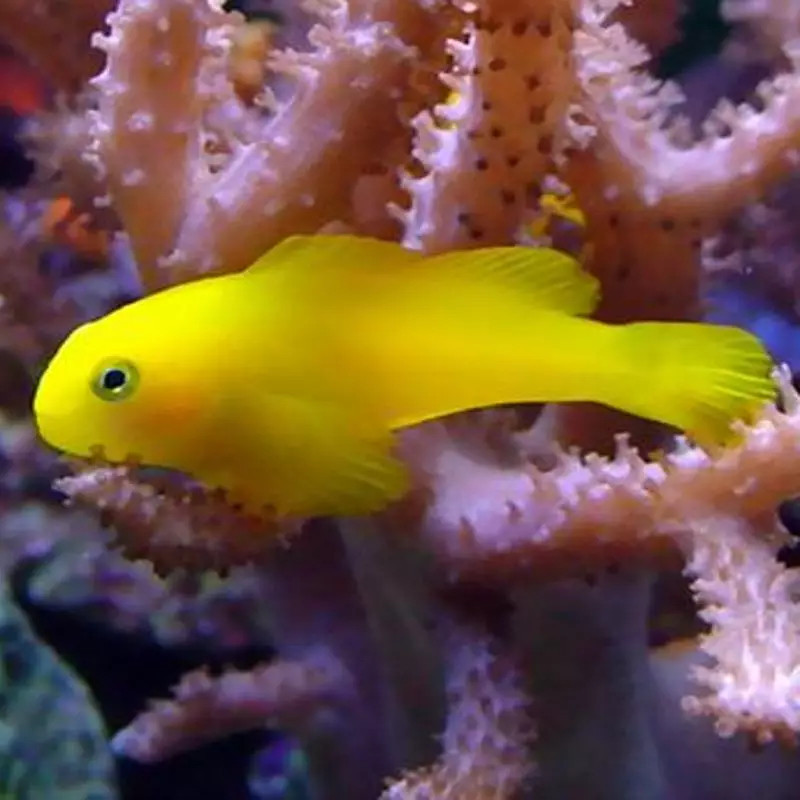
547, 278
342, 250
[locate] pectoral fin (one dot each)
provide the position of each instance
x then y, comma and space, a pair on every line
320, 459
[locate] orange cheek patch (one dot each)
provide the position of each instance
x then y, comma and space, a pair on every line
166, 416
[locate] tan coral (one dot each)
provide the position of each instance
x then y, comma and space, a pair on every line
239, 179
161, 58
58, 139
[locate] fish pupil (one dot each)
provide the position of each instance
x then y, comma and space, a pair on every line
114, 379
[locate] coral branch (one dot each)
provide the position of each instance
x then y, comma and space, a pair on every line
651, 193
750, 600
292, 173
485, 152
59, 141
489, 728
204, 709
163, 59
655, 23
743, 152
300, 175
172, 527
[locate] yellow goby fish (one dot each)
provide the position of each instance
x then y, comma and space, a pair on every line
284, 383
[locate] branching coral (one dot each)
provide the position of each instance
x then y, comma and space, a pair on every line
484, 154
344, 101
719, 509
753, 685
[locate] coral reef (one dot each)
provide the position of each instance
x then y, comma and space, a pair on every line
488, 636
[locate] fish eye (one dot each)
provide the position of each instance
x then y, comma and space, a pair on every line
115, 381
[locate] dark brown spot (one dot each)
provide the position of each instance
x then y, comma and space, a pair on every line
545, 29
486, 105
495, 132
613, 220
519, 27
489, 25
481, 164
536, 115
462, 218
532, 82
508, 196
545, 145
623, 272
496, 64
668, 224
476, 233
512, 161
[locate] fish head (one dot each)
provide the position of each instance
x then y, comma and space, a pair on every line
129, 386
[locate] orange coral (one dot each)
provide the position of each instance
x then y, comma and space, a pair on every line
484, 155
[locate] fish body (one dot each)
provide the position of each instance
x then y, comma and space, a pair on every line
284, 383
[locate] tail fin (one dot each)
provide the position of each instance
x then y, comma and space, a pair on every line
697, 377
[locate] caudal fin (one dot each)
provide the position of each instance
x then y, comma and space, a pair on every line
697, 377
